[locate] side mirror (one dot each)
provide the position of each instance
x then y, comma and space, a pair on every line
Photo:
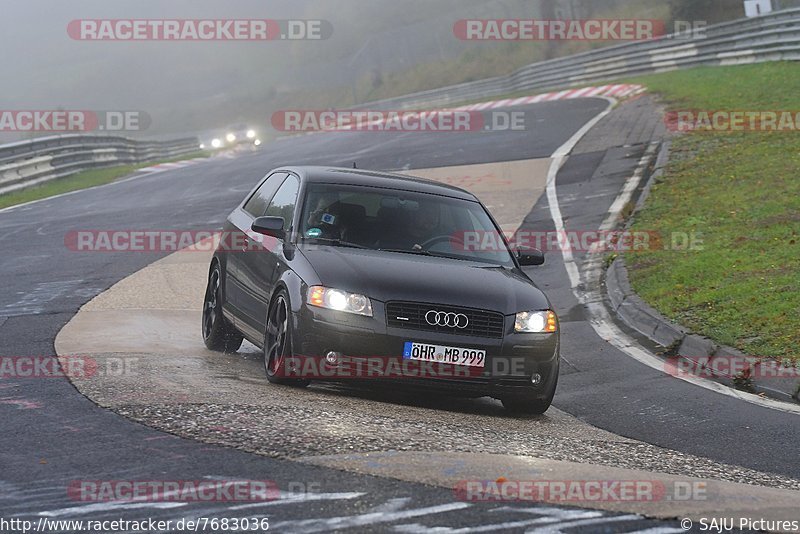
269, 226
530, 257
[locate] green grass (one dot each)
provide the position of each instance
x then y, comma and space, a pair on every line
81, 180
741, 193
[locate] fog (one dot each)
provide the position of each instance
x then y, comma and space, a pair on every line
186, 87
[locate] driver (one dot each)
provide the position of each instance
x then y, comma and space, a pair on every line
424, 223
421, 226
324, 217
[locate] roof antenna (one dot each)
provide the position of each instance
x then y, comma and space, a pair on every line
354, 165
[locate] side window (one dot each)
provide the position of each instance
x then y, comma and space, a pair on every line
284, 202
257, 204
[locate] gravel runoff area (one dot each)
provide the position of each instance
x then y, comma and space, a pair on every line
247, 413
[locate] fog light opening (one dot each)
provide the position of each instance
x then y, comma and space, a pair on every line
536, 379
333, 357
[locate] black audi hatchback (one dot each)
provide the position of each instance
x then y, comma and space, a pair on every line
343, 273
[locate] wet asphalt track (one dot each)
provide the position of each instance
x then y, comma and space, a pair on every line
52, 435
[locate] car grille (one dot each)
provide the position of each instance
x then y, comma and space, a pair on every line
481, 323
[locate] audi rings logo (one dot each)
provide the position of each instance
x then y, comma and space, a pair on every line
451, 320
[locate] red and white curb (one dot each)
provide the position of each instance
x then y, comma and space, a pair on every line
619, 92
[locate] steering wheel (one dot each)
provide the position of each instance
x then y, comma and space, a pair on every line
441, 239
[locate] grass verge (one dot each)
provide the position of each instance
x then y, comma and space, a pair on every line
740, 192
82, 180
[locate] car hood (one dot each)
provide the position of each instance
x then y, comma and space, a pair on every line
387, 276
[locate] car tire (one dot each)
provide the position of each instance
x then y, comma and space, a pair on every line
218, 333
278, 341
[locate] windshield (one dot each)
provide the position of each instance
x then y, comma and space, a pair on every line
402, 222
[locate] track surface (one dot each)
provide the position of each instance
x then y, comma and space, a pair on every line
54, 435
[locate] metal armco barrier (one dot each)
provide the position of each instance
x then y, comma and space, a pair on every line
772, 37
27, 163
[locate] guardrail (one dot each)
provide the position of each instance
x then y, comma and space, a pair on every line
28, 163
771, 37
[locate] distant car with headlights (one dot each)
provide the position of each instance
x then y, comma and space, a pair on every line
237, 136
336, 267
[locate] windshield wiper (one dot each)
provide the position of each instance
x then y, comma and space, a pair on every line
423, 252
335, 242
418, 252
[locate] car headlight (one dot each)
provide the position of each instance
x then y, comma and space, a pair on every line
336, 299
231, 137
542, 322
251, 134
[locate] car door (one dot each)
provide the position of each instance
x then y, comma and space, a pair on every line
238, 234
259, 269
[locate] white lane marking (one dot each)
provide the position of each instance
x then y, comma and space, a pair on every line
332, 523
550, 516
628, 189
300, 497
559, 157
110, 507
143, 503
557, 529
285, 498
419, 528
168, 166
592, 297
392, 505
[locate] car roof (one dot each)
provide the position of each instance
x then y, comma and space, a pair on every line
358, 177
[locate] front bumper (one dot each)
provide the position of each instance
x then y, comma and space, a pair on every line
511, 361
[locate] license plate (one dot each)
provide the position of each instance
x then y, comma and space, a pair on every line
439, 354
